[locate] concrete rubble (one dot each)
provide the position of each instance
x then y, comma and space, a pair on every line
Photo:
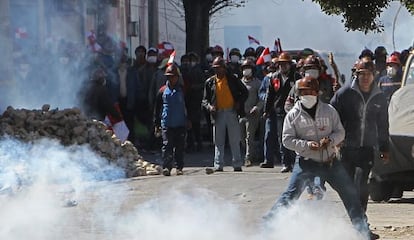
71, 127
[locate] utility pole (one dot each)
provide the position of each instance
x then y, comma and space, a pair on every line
153, 23
6, 42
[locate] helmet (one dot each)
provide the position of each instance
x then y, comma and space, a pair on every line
308, 83
249, 52
218, 62
365, 66
235, 51
247, 63
393, 59
217, 49
284, 57
367, 53
380, 51
312, 61
171, 70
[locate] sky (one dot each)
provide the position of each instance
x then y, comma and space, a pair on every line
301, 24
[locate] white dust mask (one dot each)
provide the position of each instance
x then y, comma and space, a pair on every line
234, 58
314, 73
152, 59
247, 72
308, 101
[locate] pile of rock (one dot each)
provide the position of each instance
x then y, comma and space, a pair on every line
71, 127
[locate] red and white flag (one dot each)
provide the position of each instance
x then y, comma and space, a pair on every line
171, 59
93, 45
253, 40
264, 57
21, 33
165, 49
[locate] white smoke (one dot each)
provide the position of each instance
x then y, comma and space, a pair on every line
49, 192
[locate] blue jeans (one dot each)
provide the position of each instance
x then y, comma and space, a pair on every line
226, 120
271, 140
336, 175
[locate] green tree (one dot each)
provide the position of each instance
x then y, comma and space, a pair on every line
360, 15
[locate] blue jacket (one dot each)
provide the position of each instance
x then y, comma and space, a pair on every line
365, 122
170, 108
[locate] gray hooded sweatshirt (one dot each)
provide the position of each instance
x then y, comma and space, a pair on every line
300, 129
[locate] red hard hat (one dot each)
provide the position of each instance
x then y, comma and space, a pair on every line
171, 70
308, 83
393, 59
312, 61
218, 49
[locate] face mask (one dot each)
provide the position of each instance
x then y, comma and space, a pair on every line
192, 64
209, 57
247, 72
314, 73
152, 59
391, 72
308, 101
234, 58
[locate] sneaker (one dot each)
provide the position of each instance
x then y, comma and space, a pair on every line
213, 170
238, 169
179, 172
247, 163
266, 165
286, 169
166, 172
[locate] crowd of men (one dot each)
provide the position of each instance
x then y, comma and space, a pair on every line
320, 127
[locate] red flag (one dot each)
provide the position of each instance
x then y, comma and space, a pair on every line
253, 40
21, 33
264, 57
171, 59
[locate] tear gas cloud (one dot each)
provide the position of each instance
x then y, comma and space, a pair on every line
51, 54
37, 181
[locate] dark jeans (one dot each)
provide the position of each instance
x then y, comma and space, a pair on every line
194, 134
336, 176
173, 147
287, 157
271, 140
358, 163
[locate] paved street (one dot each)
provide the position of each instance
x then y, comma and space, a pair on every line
225, 205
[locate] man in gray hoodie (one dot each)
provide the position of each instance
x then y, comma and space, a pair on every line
313, 129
